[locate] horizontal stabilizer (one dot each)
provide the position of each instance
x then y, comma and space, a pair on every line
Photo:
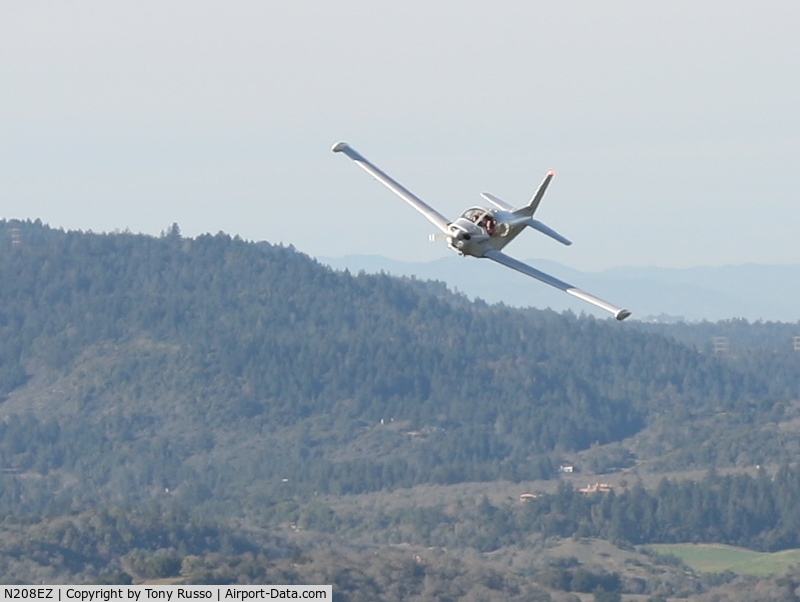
499, 203
537, 225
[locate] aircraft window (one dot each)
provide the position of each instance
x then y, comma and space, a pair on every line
481, 218
473, 215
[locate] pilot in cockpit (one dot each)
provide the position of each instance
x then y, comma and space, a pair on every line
482, 219
488, 223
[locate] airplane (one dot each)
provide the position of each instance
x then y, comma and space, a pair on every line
483, 232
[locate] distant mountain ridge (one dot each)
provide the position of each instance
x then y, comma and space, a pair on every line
750, 291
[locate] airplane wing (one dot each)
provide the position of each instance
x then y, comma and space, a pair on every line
433, 216
502, 258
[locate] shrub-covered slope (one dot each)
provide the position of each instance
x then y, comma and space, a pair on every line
217, 369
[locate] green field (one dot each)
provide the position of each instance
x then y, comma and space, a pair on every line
716, 558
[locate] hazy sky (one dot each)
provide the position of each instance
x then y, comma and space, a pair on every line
673, 126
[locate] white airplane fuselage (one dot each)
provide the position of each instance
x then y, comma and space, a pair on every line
473, 237
483, 232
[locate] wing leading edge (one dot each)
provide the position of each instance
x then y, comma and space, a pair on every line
433, 216
514, 264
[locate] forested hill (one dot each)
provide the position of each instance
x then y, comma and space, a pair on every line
220, 369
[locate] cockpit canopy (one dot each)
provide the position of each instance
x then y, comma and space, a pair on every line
481, 217
474, 214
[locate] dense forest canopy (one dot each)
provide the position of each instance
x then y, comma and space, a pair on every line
146, 378
141, 363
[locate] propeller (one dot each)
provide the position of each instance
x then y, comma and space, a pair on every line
454, 234
456, 237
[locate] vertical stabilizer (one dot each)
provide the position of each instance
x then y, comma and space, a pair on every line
531, 207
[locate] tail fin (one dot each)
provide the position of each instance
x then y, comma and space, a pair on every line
531, 207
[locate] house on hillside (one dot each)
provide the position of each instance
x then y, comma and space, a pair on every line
596, 488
